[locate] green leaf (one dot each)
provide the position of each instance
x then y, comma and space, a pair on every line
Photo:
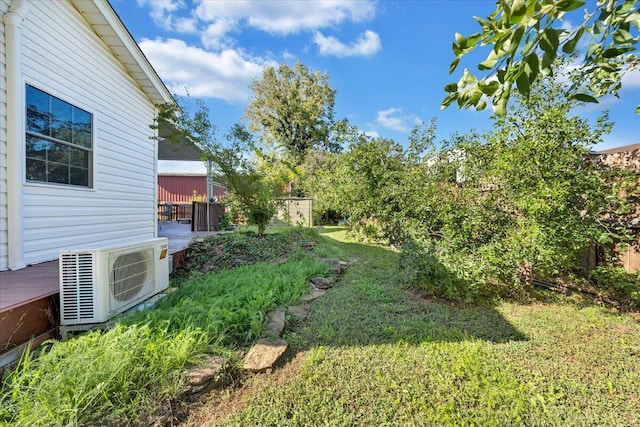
547, 61
451, 87
532, 67
598, 27
500, 107
621, 36
584, 97
461, 39
633, 18
454, 65
638, 109
488, 88
567, 5
448, 100
473, 39
518, 11
457, 50
613, 52
553, 36
545, 45
570, 45
488, 64
522, 83
516, 38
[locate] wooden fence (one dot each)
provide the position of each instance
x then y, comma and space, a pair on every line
206, 216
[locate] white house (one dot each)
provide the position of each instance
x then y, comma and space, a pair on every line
77, 163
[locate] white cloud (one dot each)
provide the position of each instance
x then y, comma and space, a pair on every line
372, 133
631, 80
225, 75
287, 17
393, 119
288, 55
215, 36
366, 45
162, 13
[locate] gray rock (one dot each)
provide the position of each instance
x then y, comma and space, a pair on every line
264, 354
211, 373
313, 295
323, 282
299, 312
275, 322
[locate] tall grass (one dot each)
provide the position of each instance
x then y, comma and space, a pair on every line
231, 305
124, 372
98, 376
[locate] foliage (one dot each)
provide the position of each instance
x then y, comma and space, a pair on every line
292, 108
526, 202
482, 214
231, 250
253, 192
121, 375
526, 38
231, 305
624, 286
100, 376
371, 353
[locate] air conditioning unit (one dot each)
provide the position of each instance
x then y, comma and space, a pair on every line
97, 284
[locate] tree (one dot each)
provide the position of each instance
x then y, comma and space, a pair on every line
254, 193
292, 108
526, 38
527, 200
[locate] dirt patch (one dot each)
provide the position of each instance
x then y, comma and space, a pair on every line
214, 407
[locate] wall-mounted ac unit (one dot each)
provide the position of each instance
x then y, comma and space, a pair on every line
97, 284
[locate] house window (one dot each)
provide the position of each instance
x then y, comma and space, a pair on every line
59, 140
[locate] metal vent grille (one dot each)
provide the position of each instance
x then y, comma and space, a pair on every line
76, 276
130, 273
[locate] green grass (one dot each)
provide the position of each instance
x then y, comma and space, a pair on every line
99, 376
372, 353
125, 374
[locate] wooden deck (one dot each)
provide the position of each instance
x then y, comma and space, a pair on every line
29, 298
41, 280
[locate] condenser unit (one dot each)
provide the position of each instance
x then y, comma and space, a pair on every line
97, 284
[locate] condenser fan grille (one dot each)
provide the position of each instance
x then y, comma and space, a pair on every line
130, 273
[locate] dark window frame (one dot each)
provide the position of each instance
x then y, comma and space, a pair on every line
59, 141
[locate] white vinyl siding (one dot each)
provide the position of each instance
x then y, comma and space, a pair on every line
64, 57
4, 262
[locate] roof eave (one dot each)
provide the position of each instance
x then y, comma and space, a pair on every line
109, 27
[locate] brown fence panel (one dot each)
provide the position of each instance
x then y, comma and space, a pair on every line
206, 216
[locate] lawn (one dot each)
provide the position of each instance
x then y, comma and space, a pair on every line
372, 352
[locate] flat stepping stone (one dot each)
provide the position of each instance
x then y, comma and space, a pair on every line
264, 354
313, 295
323, 282
299, 312
275, 322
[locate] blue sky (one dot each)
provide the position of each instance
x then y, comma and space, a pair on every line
388, 60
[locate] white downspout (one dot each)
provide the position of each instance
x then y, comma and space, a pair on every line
15, 131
